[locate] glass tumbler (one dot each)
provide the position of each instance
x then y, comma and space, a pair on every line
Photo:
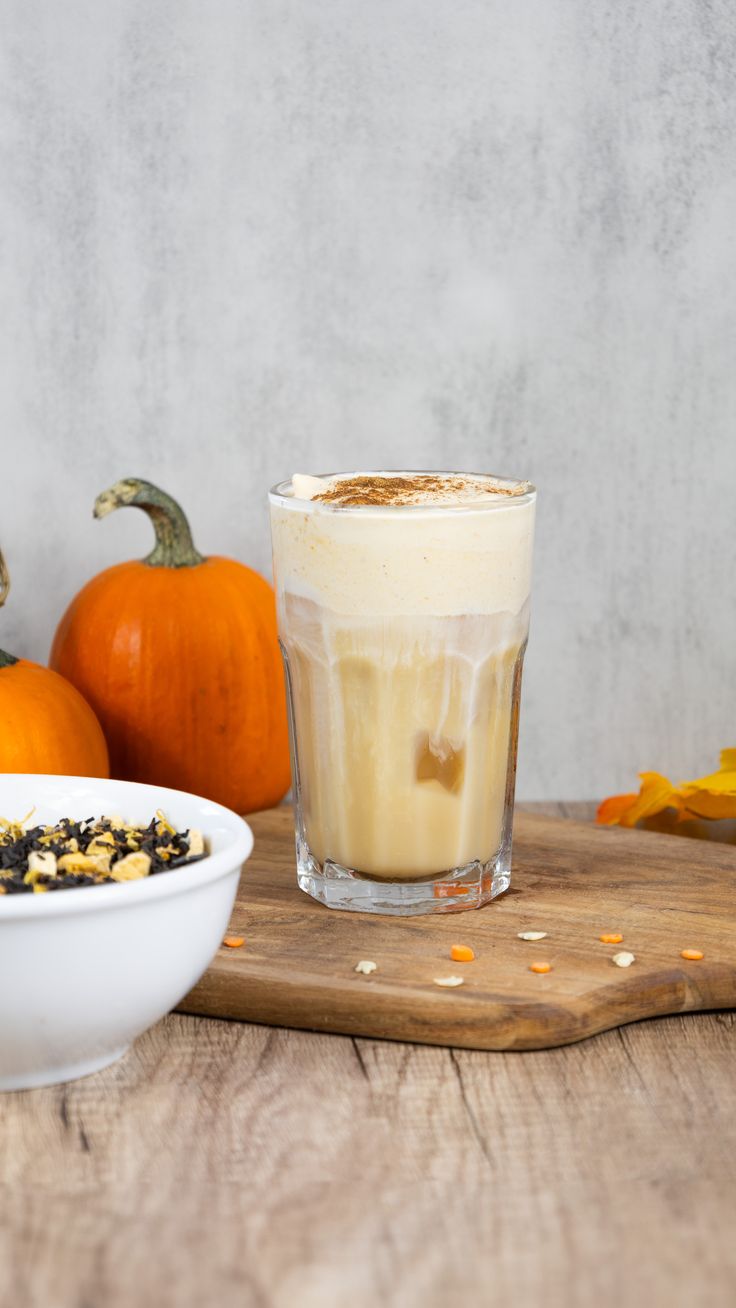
403, 632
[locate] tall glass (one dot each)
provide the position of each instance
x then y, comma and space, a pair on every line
403, 631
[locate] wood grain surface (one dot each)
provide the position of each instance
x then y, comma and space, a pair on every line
222, 1162
573, 880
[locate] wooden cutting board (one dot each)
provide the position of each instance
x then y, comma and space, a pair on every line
573, 880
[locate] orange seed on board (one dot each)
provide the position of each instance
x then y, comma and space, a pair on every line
462, 954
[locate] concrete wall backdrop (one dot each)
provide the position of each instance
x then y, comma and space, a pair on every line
241, 237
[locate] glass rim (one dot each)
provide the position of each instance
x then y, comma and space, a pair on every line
279, 493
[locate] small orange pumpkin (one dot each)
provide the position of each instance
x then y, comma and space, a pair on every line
45, 725
178, 655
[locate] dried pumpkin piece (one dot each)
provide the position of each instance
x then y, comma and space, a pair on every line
75, 863
102, 838
196, 842
101, 856
131, 868
102, 861
42, 861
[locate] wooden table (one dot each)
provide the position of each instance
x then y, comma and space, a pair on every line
222, 1162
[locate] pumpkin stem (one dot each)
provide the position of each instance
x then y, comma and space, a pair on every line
6, 660
174, 547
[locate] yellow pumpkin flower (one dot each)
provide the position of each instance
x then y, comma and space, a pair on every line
709, 797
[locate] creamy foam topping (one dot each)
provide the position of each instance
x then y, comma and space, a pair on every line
474, 558
397, 490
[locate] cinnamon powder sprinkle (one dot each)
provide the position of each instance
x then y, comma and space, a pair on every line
352, 492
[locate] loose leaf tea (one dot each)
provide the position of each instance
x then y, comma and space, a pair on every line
94, 852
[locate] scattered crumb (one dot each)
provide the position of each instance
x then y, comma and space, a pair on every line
611, 938
365, 966
462, 954
449, 981
532, 935
692, 955
623, 959
540, 967
234, 942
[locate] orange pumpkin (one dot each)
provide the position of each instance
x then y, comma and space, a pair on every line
178, 656
45, 725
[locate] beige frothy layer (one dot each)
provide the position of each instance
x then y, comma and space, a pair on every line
384, 561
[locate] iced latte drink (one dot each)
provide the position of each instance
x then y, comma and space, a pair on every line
403, 607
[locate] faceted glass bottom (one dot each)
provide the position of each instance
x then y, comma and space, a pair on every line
454, 891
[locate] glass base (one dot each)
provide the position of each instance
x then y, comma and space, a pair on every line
461, 888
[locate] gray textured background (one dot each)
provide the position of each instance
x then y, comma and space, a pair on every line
242, 237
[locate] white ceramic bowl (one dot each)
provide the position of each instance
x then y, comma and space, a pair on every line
84, 971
